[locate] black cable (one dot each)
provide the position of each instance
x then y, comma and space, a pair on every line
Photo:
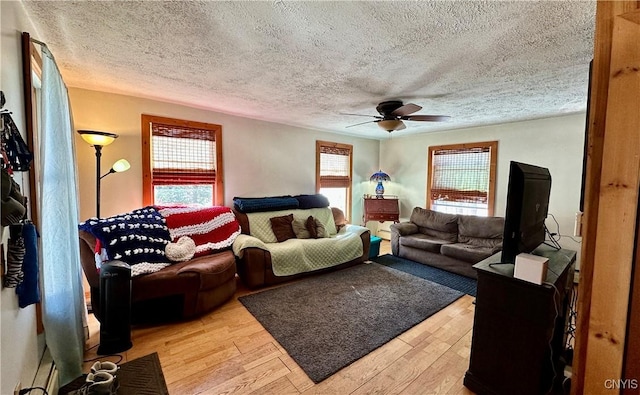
573, 315
560, 235
28, 390
106, 356
557, 224
554, 242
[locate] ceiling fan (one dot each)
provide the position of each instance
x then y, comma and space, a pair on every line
393, 112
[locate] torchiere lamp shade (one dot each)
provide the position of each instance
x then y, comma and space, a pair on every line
94, 137
98, 140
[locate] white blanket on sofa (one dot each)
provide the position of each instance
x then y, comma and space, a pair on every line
304, 255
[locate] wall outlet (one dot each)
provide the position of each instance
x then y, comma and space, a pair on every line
16, 390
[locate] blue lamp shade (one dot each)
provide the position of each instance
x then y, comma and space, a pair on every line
379, 177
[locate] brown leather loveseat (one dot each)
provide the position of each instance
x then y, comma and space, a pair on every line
177, 290
180, 291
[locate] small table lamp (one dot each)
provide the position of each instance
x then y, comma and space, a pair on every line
379, 177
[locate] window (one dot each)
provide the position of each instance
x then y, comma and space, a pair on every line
462, 178
181, 162
334, 165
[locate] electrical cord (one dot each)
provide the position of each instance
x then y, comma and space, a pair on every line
553, 242
104, 356
573, 315
560, 235
120, 358
553, 331
28, 390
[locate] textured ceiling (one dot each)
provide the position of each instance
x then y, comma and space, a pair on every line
305, 63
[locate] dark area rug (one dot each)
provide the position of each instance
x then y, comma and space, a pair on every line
141, 376
328, 321
451, 280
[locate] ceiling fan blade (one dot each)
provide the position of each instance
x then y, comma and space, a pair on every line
429, 118
406, 109
361, 123
361, 115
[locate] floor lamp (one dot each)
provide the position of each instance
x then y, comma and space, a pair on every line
98, 140
115, 276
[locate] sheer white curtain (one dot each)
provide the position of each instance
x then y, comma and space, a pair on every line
63, 298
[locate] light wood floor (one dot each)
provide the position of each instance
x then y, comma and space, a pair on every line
228, 352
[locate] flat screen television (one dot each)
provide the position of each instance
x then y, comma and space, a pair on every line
527, 207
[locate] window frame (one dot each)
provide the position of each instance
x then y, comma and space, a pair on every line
147, 169
32, 67
493, 159
349, 187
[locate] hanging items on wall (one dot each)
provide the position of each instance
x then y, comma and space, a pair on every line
14, 213
15, 257
15, 157
14, 149
14, 204
28, 290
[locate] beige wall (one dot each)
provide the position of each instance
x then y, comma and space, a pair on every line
556, 143
259, 158
20, 347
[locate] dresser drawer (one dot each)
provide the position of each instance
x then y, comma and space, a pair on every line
381, 209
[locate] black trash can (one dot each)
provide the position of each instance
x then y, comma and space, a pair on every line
115, 307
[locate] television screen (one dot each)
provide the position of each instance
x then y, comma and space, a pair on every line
527, 207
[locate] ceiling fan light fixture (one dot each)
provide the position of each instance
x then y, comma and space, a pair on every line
390, 124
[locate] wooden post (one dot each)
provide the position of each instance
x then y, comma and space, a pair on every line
611, 199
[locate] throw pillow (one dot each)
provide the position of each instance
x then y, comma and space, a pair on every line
182, 250
320, 230
315, 227
338, 216
310, 224
300, 228
282, 227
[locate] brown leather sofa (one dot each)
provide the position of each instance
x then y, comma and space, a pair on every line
255, 269
180, 291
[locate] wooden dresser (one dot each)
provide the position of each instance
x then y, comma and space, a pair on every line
386, 209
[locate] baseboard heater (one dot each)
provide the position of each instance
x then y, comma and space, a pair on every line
47, 374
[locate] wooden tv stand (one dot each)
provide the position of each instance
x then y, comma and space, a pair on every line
519, 328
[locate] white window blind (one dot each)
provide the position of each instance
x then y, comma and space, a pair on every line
335, 167
182, 155
461, 175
